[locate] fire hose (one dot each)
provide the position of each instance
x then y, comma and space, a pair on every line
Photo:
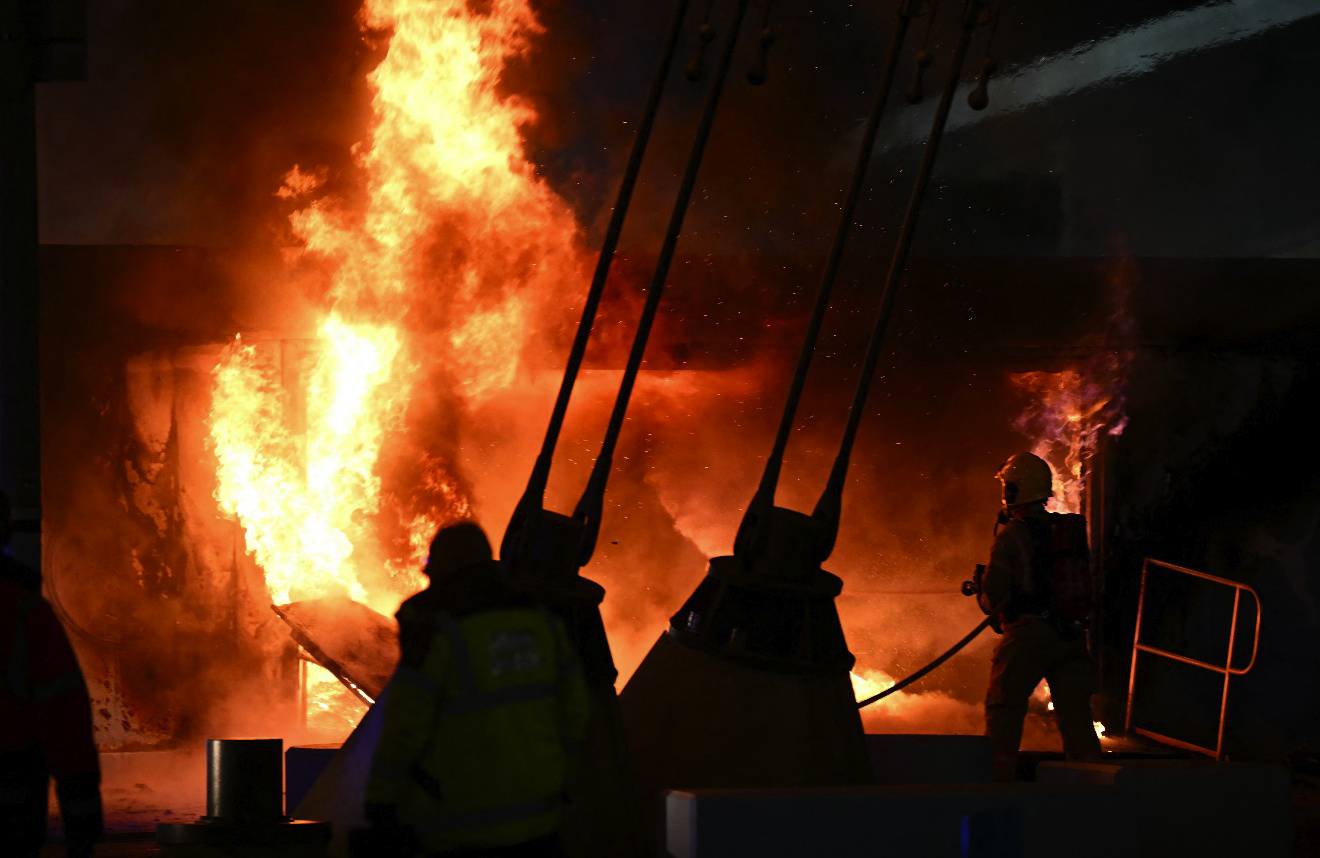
533, 497
949, 653
828, 508
760, 514
945, 656
587, 512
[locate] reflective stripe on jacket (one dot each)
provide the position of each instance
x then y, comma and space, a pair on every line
477, 737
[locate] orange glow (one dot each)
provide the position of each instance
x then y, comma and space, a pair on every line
331, 708
1069, 412
297, 535
431, 279
921, 711
872, 684
1042, 692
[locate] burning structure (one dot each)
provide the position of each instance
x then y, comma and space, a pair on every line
332, 312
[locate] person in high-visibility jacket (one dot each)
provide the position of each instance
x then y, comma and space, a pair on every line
45, 721
483, 715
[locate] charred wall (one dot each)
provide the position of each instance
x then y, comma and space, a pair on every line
166, 612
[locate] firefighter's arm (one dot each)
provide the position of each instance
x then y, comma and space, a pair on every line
997, 580
64, 727
411, 708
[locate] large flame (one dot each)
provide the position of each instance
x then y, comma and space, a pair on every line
1069, 413
432, 278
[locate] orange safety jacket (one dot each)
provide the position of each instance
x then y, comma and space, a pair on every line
45, 711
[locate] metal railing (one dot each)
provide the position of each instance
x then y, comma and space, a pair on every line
1226, 669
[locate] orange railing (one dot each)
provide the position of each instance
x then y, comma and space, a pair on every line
1226, 669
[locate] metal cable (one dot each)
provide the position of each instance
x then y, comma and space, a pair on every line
534, 496
904, 683
588, 509
828, 507
764, 497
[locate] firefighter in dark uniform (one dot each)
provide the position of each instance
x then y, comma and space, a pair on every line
45, 720
482, 718
1040, 583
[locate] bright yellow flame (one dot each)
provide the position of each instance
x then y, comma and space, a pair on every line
1068, 412
455, 249
289, 528
875, 682
1042, 693
331, 708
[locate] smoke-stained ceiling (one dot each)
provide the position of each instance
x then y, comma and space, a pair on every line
1152, 129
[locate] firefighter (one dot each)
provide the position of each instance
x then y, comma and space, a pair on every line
482, 718
45, 722
1039, 583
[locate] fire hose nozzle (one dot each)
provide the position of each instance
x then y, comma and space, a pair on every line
973, 587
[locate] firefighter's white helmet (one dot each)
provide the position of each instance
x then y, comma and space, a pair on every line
1026, 477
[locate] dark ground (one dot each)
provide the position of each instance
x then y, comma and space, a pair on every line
128, 837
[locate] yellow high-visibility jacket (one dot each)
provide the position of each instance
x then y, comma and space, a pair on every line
477, 739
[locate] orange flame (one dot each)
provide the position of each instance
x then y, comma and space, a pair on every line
913, 712
1042, 692
432, 279
331, 709
870, 684
1069, 413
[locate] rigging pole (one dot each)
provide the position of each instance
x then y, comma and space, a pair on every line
750, 686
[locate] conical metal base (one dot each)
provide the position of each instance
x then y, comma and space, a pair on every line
748, 688
602, 817
339, 794
696, 720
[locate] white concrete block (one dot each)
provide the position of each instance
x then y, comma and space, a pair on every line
934, 821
